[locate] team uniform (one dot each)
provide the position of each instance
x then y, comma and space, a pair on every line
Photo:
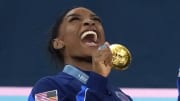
73, 84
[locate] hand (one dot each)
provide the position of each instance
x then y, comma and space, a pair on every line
101, 60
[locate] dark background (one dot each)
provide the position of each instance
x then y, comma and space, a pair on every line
149, 28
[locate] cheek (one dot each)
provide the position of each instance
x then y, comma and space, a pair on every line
71, 32
70, 29
71, 41
70, 35
102, 33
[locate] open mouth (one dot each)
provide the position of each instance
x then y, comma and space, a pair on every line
89, 38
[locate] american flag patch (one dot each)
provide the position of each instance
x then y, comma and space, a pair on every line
47, 96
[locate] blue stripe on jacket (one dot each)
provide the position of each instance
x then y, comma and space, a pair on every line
81, 96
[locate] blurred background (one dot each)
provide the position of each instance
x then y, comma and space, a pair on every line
150, 29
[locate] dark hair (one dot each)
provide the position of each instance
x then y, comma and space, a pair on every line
57, 53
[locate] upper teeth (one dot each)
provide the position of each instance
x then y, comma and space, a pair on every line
89, 33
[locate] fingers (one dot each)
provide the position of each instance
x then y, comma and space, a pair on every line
105, 45
103, 52
102, 59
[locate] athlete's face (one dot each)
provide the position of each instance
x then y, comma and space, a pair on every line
82, 33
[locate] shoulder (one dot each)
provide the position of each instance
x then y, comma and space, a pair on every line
44, 84
51, 82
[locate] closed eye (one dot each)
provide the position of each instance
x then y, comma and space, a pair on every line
95, 18
74, 19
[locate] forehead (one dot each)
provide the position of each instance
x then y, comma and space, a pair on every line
80, 11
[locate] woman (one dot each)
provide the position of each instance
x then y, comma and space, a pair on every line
78, 42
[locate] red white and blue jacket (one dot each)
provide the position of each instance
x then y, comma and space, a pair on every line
72, 84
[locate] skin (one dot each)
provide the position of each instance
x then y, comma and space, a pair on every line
76, 52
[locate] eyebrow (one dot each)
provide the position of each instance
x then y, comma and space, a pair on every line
70, 15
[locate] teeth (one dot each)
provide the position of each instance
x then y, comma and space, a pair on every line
89, 33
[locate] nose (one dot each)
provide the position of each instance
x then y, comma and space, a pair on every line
88, 22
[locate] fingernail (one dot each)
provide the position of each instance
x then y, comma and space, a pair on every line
102, 47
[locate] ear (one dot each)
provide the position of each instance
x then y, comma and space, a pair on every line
58, 44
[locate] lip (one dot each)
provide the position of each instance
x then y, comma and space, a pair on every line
98, 34
90, 44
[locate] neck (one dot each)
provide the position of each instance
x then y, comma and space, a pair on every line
84, 63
